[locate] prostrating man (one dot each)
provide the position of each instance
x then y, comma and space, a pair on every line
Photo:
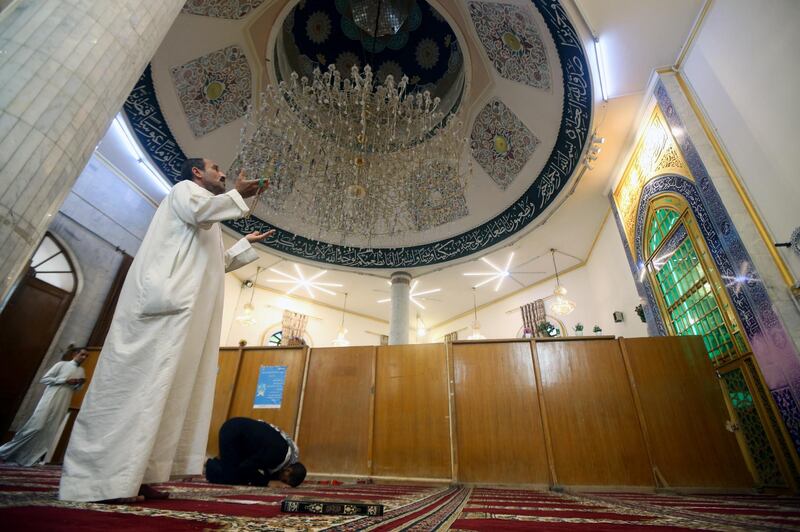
34, 439
148, 408
253, 452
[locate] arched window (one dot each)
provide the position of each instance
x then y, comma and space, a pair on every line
275, 338
690, 293
51, 265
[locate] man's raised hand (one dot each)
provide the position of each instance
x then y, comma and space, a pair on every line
249, 187
257, 236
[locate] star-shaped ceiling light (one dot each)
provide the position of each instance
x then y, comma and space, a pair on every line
412, 294
309, 285
498, 274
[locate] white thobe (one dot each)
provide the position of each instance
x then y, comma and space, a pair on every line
34, 439
148, 408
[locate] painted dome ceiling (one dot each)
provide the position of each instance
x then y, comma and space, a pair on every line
513, 72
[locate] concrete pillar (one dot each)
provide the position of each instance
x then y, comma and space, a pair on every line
398, 323
66, 67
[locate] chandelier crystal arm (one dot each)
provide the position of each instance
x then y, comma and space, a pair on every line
366, 159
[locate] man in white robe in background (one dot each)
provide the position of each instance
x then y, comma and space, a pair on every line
37, 435
147, 412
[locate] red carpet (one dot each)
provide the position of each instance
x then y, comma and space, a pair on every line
28, 502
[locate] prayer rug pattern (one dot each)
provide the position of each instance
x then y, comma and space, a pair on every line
28, 501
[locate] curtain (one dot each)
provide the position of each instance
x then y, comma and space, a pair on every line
451, 337
533, 315
293, 326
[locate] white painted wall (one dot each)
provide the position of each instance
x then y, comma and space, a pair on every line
743, 67
612, 285
323, 323
604, 284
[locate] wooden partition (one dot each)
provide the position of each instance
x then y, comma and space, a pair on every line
285, 417
227, 371
592, 411
88, 367
595, 434
679, 400
336, 427
496, 407
412, 423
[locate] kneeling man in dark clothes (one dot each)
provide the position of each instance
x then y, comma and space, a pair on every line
253, 452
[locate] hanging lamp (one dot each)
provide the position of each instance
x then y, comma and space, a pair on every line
560, 305
341, 337
476, 326
246, 318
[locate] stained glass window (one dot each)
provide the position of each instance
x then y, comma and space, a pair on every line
663, 220
691, 304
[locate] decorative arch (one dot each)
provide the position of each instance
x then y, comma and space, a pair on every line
689, 292
51, 263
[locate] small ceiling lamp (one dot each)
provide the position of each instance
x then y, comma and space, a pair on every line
560, 305
476, 326
246, 318
341, 337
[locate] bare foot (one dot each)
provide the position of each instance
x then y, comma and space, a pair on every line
150, 493
123, 500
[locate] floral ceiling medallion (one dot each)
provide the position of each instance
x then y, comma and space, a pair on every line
213, 89
501, 143
511, 39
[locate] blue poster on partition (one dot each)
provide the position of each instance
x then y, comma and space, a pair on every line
269, 388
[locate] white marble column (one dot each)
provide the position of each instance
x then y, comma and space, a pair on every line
398, 323
66, 67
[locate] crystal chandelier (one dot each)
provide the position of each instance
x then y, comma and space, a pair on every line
355, 157
560, 305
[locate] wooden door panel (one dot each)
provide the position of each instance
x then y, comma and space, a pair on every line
27, 326
684, 413
337, 405
244, 393
594, 427
499, 431
412, 427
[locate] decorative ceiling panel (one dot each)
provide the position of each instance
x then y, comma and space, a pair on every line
214, 89
501, 143
434, 202
463, 226
231, 9
424, 47
512, 41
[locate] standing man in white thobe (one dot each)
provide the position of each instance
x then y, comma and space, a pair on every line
148, 408
37, 435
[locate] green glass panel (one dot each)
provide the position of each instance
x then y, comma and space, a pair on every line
662, 222
691, 304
